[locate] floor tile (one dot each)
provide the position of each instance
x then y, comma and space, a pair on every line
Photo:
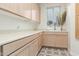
45, 51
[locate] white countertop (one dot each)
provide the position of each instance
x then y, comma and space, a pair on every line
6, 37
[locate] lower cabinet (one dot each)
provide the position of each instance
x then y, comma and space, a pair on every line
0, 51
24, 51
40, 41
30, 49
30, 46
33, 48
58, 39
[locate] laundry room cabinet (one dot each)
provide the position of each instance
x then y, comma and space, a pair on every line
55, 39
77, 20
29, 11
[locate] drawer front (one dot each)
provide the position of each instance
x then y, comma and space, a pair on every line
0, 51
55, 39
24, 51
11, 47
52, 44
49, 40
39, 42
62, 41
77, 9
33, 48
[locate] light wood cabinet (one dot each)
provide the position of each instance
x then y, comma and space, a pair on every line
11, 47
57, 39
33, 48
24, 51
30, 46
40, 41
36, 12
61, 40
49, 40
27, 46
24, 9
28, 10
77, 21
77, 27
77, 8
9, 6
0, 51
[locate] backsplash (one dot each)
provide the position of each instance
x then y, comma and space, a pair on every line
12, 23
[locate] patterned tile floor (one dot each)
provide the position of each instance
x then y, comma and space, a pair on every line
53, 52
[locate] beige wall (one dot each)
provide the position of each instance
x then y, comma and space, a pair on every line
73, 42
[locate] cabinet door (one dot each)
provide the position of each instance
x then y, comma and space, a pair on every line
77, 21
24, 9
61, 41
35, 12
28, 10
55, 39
77, 26
40, 42
49, 40
77, 9
24, 51
0, 51
33, 48
9, 6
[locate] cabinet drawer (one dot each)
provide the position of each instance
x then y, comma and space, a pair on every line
49, 40
11, 47
33, 48
0, 51
24, 51
77, 9
52, 44
55, 39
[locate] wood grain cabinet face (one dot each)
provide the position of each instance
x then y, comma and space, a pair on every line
40, 41
35, 12
77, 21
25, 9
77, 8
77, 26
30, 49
61, 41
0, 51
29, 10
9, 6
11, 47
33, 48
55, 39
24, 51
49, 40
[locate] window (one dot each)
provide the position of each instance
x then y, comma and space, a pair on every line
53, 15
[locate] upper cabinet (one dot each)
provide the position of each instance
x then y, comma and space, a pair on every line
7, 6
77, 9
77, 20
28, 10
35, 12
